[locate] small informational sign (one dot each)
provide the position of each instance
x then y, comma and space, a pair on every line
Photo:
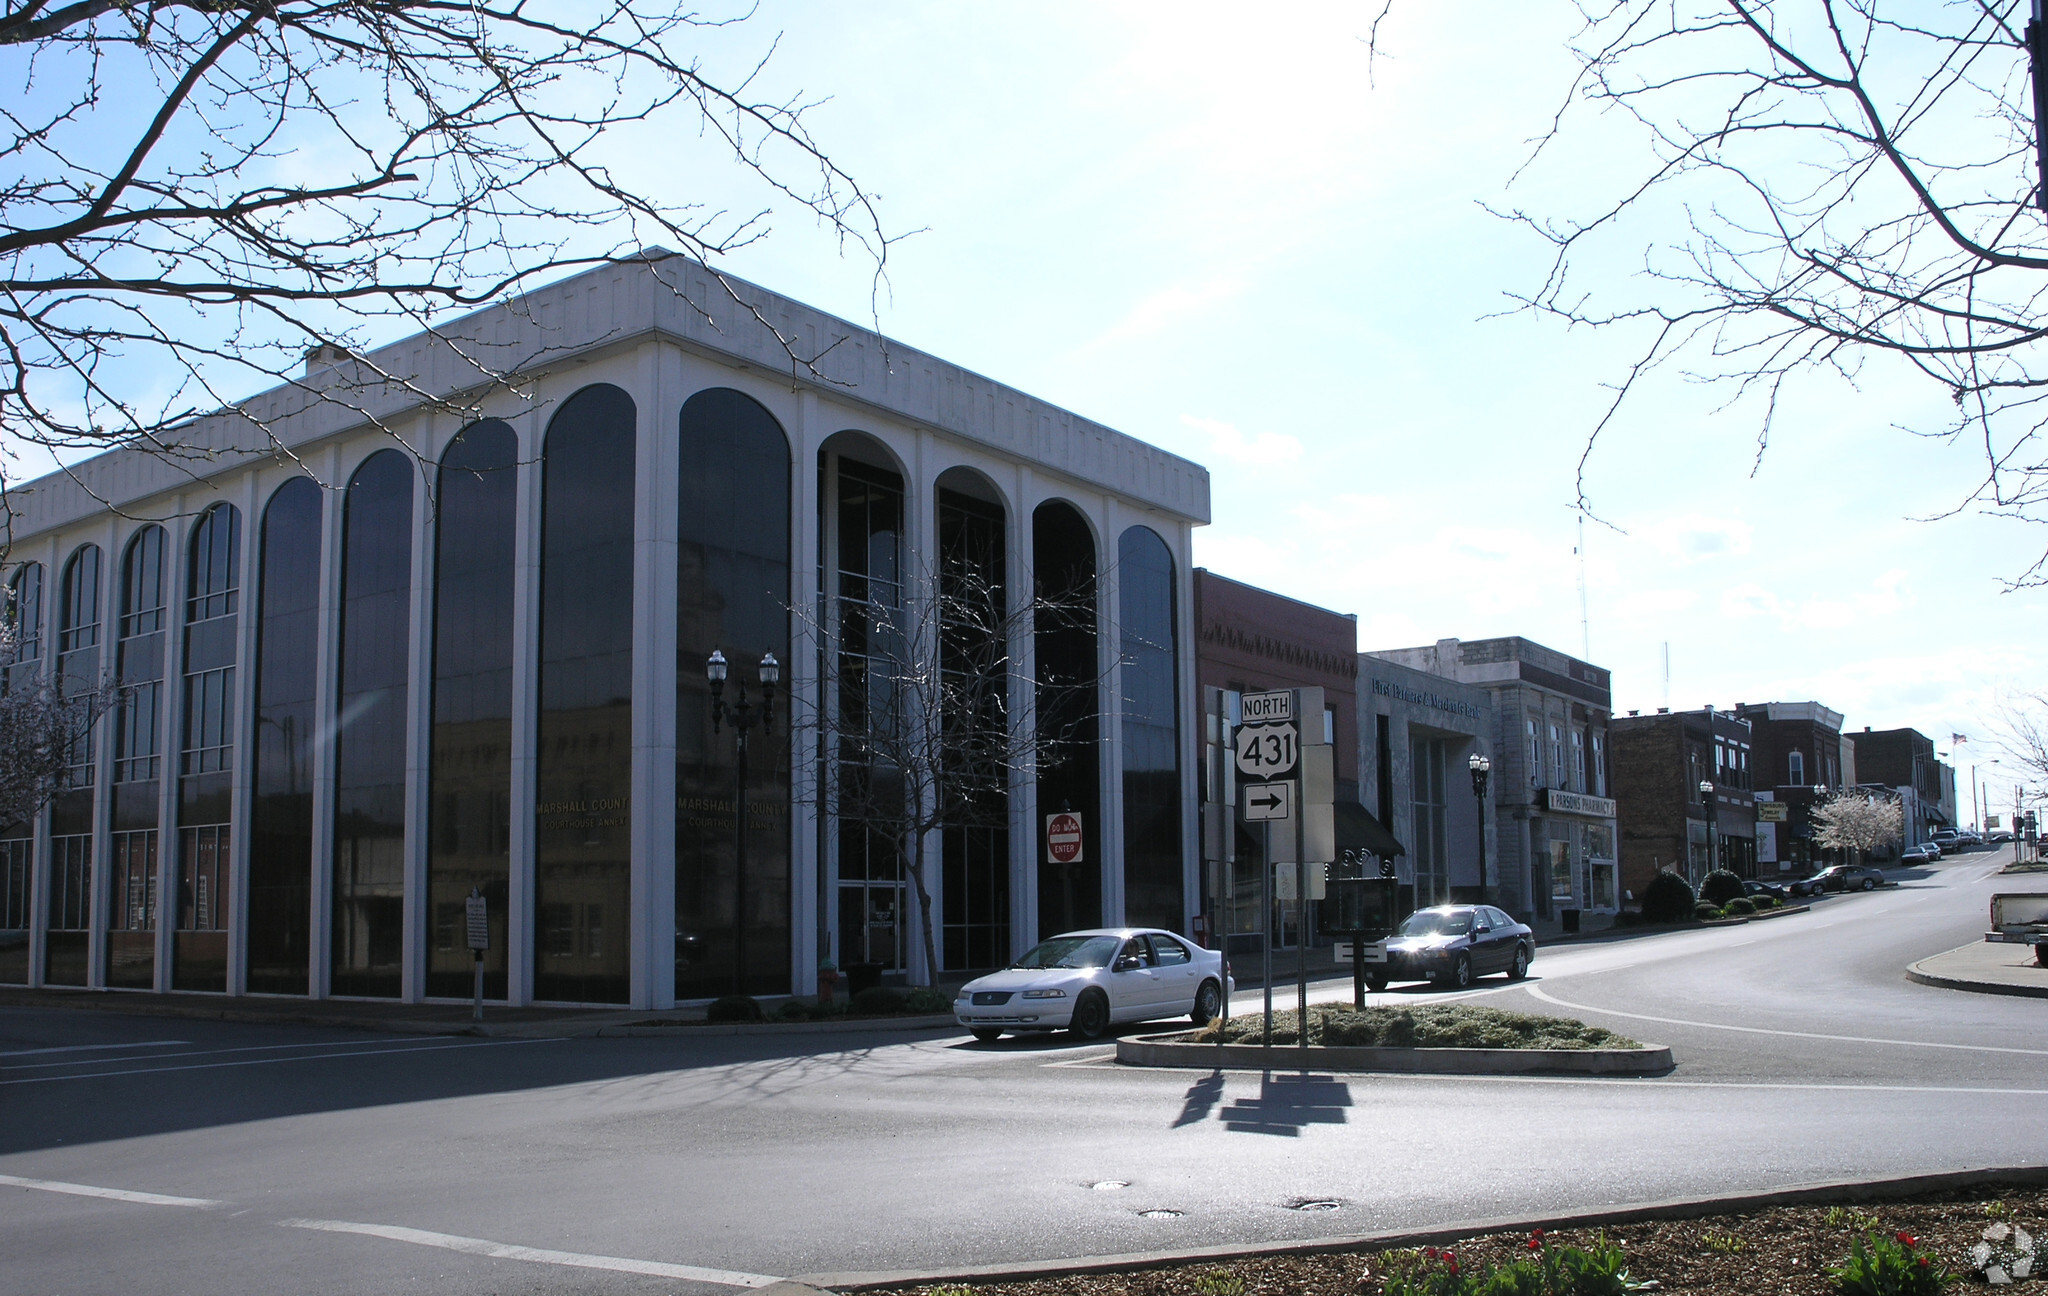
1268, 751
1771, 811
1268, 800
1276, 707
479, 922
1063, 838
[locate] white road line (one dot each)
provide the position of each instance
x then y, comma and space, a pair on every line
1787, 1034
505, 1251
88, 1048
111, 1194
424, 1040
310, 1057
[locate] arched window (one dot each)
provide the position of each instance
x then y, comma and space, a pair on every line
24, 613
470, 806
138, 763
583, 866
66, 945
732, 595
369, 812
975, 665
1154, 884
281, 822
1069, 708
199, 942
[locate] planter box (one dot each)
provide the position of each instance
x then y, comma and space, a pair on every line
1181, 1050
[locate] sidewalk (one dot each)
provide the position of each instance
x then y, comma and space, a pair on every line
353, 1014
1984, 968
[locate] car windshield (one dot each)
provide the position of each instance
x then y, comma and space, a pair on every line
1070, 952
1429, 922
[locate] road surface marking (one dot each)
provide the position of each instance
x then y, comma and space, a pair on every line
247, 1062
505, 1251
158, 1057
111, 1194
1809, 1035
88, 1048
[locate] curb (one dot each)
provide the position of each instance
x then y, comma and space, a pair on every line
835, 1026
1178, 1051
1914, 972
1852, 1190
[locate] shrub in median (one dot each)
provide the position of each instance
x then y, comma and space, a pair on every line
1706, 911
877, 1001
1720, 886
1668, 898
1739, 905
734, 1008
1450, 1026
925, 1000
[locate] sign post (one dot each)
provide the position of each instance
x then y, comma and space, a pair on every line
479, 934
1268, 747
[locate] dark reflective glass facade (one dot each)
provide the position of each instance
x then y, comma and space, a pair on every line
583, 867
199, 934
732, 594
974, 657
1154, 888
138, 764
875, 924
470, 801
369, 809
24, 611
281, 830
1064, 569
69, 933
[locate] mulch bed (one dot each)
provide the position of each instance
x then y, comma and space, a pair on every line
1776, 1251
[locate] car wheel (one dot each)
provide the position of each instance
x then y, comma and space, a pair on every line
986, 1036
1869, 885
1091, 1016
2041, 955
1208, 1002
1461, 972
1520, 968
1379, 983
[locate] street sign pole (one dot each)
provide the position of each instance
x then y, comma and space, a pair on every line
478, 924
1301, 907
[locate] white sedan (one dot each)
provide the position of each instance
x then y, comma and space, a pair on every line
1086, 980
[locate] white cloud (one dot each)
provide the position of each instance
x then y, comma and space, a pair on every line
1226, 442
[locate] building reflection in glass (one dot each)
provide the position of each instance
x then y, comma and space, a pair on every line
1069, 706
470, 807
199, 935
369, 810
67, 939
732, 593
138, 764
281, 836
583, 868
974, 656
1154, 893
24, 612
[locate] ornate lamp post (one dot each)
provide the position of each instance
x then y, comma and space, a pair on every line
1707, 808
743, 718
1482, 769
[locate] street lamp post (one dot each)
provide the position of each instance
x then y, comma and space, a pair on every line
1482, 769
741, 714
1707, 808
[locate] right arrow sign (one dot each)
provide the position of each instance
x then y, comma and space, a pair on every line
1268, 800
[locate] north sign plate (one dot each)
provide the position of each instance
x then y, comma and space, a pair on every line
1268, 751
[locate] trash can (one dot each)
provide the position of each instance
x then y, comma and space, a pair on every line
1570, 918
862, 976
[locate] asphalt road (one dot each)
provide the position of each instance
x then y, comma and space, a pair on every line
153, 1154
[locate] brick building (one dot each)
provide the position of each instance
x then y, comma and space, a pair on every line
1797, 754
1661, 764
1904, 760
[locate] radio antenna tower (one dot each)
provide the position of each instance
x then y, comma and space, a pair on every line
1585, 621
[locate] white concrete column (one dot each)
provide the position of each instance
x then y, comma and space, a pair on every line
419, 712
529, 428
921, 590
656, 487
1022, 574
327, 687
1109, 661
241, 794
809, 912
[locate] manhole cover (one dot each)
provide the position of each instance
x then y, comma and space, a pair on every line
1109, 1185
1159, 1212
1314, 1204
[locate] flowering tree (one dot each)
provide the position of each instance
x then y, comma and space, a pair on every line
1858, 821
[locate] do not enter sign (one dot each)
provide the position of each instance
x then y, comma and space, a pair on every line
1063, 838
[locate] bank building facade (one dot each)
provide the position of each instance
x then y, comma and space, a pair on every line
374, 658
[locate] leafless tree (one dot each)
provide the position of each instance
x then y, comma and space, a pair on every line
44, 733
1859, 820
2022, 734
197, 196
1830, 188
914, 728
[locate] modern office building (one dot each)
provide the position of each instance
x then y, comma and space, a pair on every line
1551, 789
407, 634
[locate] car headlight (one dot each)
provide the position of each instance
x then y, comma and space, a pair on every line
1043, 994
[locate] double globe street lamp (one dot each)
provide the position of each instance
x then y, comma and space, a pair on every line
741, 715
1482, 769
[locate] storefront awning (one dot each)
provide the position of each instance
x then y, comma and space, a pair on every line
1357, 830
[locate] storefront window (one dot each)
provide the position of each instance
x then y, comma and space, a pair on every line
1561, 888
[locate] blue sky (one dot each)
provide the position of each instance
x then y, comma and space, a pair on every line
1210, 227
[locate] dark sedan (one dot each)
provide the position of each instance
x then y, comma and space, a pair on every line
1754, 888
1840, 877
1450, 945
